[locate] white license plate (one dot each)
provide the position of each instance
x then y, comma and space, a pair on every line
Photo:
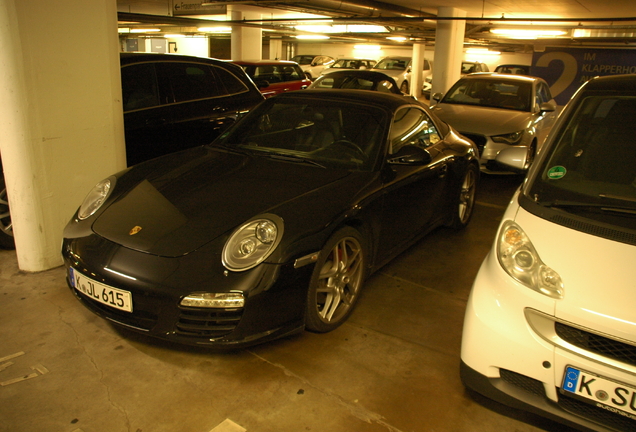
610, 395
113, 297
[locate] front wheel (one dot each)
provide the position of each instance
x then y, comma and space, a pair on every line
465, 201
336, 281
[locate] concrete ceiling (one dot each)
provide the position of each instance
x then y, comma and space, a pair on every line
590, 23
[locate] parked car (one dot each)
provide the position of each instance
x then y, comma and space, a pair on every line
172, 102
514, 69
473, 67
275, 226
6, 228
349, 63
549, 325
498, 111
357, 79
275, 76
399, 68
313, 65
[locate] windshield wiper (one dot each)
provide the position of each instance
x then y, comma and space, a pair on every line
294, 158
600, 206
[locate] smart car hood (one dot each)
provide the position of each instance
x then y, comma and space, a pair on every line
482, 120
596, 295
180, 206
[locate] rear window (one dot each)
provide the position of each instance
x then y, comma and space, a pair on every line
139, 86
191, 81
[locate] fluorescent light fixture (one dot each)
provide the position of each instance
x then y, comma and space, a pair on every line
367, 47
527, 33
342, 28
215, 29
148, 30
123, 30
312, 37
397, 38
481, 51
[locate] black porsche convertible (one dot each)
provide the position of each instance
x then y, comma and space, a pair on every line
274, 227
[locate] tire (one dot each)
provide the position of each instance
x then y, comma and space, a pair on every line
404, 87
335, 284
6, 229
465, 201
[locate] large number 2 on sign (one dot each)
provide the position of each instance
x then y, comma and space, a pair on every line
570, 66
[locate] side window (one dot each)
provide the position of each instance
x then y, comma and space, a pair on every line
412, 126
190, 81
139, 86
228, 82
291, 73
544, 94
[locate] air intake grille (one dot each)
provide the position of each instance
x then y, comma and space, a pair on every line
528, 384
597, 344
203, 322
596, 414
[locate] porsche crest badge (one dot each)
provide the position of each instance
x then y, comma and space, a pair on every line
135, 230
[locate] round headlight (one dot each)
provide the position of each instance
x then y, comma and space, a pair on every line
251, 243
95, 198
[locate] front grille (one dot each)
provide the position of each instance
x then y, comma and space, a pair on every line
479, 140
597, 344
212, 323
596, 414
528, 384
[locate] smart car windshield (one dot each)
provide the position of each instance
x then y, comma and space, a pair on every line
333, 135
494, 93
392, 64
590, 168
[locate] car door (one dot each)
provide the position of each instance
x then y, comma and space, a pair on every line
412, 193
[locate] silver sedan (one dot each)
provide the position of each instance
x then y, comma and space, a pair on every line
498, 111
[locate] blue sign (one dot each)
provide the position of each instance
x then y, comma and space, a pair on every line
571, 379
566, 69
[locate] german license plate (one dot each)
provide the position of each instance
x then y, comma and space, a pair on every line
113, 297
610, 395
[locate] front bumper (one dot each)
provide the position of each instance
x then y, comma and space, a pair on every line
512, 352
274, 295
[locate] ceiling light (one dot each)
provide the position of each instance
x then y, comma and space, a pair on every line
397, 38
527, 33
215, 29
148, 30
312, 37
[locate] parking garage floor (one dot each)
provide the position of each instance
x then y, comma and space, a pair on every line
394, 366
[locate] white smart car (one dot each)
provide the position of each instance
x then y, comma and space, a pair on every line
550, 325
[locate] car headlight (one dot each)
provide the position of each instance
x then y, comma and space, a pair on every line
251, 243
511, 138
96, 198
521, 261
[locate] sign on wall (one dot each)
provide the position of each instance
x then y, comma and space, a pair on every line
566, 69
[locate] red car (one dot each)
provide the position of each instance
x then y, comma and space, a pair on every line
275, 76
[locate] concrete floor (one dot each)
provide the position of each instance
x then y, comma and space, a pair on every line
394, 366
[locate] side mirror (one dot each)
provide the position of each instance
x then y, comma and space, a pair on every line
513, 159
547, 107
261, 83
410, 155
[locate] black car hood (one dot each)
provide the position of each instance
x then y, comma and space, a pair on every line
177, 206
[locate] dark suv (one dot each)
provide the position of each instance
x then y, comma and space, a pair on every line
173, 102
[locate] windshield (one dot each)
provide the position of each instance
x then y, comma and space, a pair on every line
342, 81
393, 64
303, 60
591, 167
493, 93
344, 135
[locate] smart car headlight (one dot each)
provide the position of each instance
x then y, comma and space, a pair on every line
511, 138
95, 198
251, 243
521, 261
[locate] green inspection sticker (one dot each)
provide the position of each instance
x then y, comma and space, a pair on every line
556, 172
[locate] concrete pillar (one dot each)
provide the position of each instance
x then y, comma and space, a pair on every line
61, 115
247, 42
417, 67
449, 44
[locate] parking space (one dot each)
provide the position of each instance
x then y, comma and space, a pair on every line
394, 366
